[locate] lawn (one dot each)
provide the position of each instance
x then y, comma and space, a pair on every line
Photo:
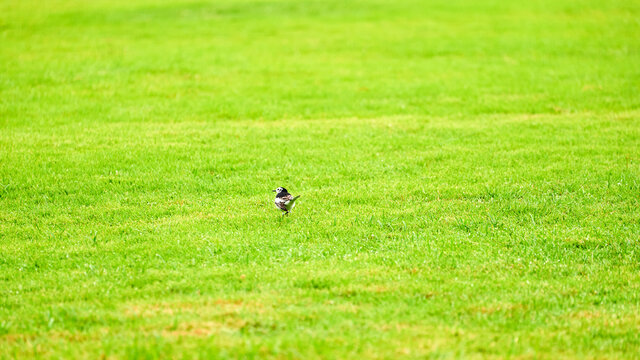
469, 174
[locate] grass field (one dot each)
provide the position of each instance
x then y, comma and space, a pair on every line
469, 172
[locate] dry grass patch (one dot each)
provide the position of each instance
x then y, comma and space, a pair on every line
218, 306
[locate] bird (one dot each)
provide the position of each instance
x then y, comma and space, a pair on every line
284, 201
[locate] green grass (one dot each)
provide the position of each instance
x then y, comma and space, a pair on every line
469, 172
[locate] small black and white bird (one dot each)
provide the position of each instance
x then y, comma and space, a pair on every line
284, 200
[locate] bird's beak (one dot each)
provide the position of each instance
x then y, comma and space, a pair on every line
273, 191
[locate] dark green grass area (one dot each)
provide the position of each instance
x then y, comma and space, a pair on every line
469, 172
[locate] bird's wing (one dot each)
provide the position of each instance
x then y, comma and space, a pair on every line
282, 201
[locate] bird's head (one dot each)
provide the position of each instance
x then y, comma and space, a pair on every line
280, 190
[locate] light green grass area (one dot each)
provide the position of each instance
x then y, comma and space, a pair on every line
469, 172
